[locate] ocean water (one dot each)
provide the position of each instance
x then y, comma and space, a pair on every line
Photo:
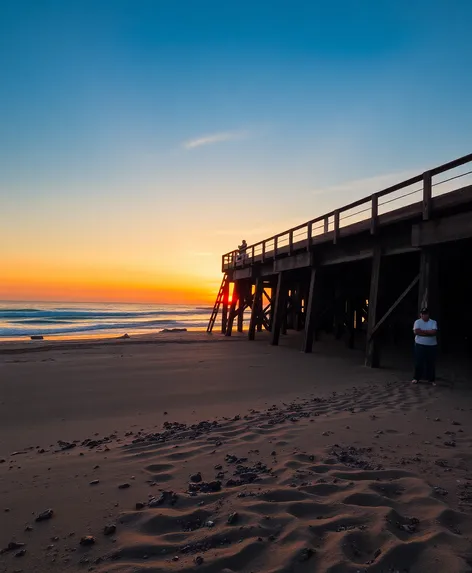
20, 320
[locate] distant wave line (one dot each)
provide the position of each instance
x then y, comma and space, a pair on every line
12, 332
88, 314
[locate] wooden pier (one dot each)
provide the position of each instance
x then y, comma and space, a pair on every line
360, 273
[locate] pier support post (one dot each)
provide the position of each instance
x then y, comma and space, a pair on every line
428, 294
310, 320
350, 332
428, 291
232, 311
224, 316
273, 291
261, 315
256, 311
241, 306
297, 307
278, 309
372, 350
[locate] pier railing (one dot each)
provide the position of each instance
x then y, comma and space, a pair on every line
368, 210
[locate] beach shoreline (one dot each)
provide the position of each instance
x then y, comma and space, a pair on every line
306, 461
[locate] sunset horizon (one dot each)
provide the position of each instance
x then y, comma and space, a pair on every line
142, 142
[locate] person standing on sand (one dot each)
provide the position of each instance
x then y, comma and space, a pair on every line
426, 343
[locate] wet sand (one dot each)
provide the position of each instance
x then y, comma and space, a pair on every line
233, 456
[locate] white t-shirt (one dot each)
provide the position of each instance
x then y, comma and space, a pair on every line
425, 325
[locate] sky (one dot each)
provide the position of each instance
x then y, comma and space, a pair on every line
140, 140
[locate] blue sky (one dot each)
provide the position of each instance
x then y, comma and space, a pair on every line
150, 118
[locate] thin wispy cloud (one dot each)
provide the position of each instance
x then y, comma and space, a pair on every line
214, 138
367, 186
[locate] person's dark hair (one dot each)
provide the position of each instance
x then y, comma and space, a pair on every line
424, 310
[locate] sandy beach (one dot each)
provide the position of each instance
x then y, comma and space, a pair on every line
205, 453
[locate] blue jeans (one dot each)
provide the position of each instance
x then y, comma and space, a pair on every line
425, 362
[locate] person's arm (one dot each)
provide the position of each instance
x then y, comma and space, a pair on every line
431, 332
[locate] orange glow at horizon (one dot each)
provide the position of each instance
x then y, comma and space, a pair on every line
59, 284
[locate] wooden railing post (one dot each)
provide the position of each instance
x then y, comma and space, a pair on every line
374, 215
290, 242
336, 227
276, 241
326, 225
263, 250
252, 253
427, 195
309, 236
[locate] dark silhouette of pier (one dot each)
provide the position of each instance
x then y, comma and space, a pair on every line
360, 273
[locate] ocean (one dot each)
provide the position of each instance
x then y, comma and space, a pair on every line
20, 320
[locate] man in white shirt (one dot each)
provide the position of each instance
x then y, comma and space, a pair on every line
426, 343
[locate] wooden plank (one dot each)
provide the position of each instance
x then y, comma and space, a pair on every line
243, 295
344, 257
442, 230
427, 195
240, 274
297, 261
256, 310
372, 350
326, 225
310, 314
336, 227
278, 309
232, 310
297, 307
374, 215
224, 317
452, 164
427, 279
395, 304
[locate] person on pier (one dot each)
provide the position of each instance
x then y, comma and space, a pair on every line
242, 247
426, 342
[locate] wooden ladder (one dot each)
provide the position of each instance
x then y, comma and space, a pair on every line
218, 302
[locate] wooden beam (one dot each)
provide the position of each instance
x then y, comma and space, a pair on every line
278, 309
343, 256
256, 310
244, 297
336, 227
232, 310
224, 316
297, 307
374, 215
372, 350
427, 195
428, 287
442, 230
297, 261
310, 314
395, 304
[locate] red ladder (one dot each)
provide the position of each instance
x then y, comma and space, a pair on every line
218, 302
